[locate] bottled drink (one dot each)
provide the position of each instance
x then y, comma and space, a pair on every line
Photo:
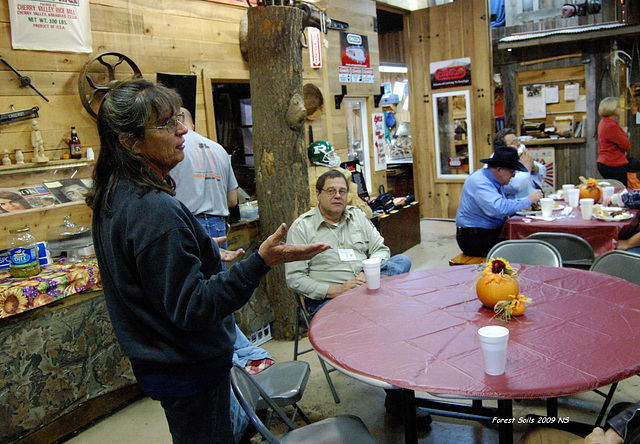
24, 253
75, 148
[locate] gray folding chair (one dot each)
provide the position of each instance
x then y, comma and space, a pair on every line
284, 382
527, 251
612, 183
302, 321
575, 251
338, 429
626, 266
619, 263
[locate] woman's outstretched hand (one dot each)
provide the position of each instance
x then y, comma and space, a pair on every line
275, 251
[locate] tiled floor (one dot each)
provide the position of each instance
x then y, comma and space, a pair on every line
143, 421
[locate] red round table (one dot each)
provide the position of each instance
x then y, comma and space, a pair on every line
419, 332
602, 235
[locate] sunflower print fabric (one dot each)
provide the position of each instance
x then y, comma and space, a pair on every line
54, 282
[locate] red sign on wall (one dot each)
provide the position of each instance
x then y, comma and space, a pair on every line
451, 73
354, 49
315, 50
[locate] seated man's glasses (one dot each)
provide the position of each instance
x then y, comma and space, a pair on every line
332, 192
171, 124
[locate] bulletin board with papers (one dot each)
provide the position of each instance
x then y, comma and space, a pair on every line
552, 102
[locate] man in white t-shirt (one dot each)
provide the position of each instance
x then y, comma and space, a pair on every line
205, 182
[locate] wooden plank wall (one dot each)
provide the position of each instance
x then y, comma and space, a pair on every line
438, 33
165, 36
360, 16
174, 36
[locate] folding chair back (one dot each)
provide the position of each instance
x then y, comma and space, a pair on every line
527, 251
339, 429
619, 263
625, 266
575, 251
248, 392
612, 183
285, 383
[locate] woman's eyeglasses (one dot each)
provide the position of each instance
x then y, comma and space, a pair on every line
171, 124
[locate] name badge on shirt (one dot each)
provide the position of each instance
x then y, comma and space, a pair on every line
347, 254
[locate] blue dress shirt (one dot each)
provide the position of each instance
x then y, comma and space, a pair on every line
483, 203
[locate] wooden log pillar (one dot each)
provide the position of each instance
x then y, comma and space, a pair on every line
278, 114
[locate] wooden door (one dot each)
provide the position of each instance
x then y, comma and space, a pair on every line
452, 31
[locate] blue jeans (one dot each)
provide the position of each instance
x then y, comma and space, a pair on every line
398, 264
202, 418
216, 226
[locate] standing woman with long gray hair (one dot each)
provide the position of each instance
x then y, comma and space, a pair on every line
170, 304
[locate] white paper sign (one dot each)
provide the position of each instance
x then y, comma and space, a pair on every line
398, 89
534, 102
52, 25
581, 104
551, 94
571, 92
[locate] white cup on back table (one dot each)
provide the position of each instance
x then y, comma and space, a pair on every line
546, 205
565, 188
371, 268
586, 208
607, 192
573, 197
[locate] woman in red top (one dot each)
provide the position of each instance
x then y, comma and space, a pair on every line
613, 144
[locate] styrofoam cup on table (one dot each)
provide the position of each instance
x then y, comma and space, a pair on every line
573, 197
546, 205
566, 187
607, 192
586, 208
493, 342
371, 269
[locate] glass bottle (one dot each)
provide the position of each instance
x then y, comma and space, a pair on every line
75, 148
23, 252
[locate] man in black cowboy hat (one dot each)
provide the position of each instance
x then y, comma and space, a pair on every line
483, 205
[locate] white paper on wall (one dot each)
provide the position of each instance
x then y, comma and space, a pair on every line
571, 92
581, 104
398, 89
551, 94
52, 25
535, 106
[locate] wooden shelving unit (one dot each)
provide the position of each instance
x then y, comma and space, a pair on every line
40, 167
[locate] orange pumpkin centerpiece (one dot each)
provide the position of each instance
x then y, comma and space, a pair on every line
497, 283
590, 189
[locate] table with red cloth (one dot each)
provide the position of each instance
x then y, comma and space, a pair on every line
419, 332
54, 282
603, 236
